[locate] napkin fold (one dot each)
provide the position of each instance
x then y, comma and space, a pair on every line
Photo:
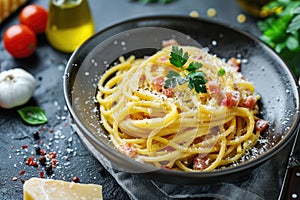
263, 183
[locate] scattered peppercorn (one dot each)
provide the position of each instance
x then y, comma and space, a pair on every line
36, 135
24, 146
48, 169
42, 160
75, 179
53, 161
29, 160
41, 174
43, 152
38, 150
22, 172
22, 181
34, 163
53, 154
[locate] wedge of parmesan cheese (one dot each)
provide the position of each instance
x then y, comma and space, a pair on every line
49, 189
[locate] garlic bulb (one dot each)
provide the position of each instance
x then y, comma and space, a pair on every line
16, 87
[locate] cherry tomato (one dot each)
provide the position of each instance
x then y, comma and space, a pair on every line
35, 17
20, 41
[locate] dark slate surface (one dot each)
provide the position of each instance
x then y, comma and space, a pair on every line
48, 65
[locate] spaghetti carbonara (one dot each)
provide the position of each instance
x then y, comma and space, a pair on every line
159, 118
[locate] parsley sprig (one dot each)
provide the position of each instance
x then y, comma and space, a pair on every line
281, 30
191, 75
178, 58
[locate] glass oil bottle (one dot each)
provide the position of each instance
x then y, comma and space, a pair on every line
69, 24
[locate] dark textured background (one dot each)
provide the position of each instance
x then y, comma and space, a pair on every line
48, 65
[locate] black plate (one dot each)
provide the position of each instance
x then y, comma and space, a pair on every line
272, 79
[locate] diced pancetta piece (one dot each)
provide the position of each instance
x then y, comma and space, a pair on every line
261, 125
200, 162
163, 59
231, 99
142, 80
158, 83
236, 64
128, 150
214, 88
249, 102
169, 92
170, 42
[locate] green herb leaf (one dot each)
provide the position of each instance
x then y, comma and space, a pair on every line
279, 47
292, 43
172, 74
33, 115
221, 72
193, 66
197, 81
173, 78
178, 58
195, 77
281, 30
294, 25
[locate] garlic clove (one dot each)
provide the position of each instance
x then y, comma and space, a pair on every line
16, 87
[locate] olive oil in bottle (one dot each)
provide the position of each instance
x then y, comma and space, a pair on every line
254, 7
69, 24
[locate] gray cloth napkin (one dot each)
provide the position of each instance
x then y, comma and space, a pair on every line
262, 183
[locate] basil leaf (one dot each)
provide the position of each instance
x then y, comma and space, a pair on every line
33, 115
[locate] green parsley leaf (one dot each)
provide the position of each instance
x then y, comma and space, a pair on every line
195, 77
33, 115
292, 43
173, 78
198, 83
198, 74
178, 58
295, 24
172, 74
221, 72
281, 30
193, 66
